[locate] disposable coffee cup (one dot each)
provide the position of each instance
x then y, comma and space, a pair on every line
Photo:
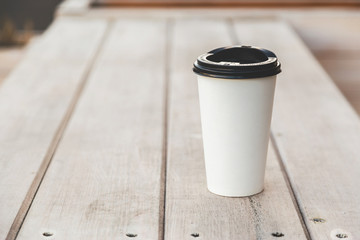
236, 91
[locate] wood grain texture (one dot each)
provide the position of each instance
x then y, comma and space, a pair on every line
190, 207
33, 101
105, 179
316, 131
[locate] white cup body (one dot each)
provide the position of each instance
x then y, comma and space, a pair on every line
235, 118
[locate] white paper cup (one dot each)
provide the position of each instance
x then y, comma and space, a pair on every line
236, 108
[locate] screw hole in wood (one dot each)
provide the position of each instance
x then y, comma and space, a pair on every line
47, 234
195, 235
277, 234
318, 220
132, 235
341, 235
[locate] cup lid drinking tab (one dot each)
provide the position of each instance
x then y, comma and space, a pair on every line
237, 62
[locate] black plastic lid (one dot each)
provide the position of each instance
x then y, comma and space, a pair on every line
237, 62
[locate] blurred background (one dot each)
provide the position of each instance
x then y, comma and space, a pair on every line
329, 28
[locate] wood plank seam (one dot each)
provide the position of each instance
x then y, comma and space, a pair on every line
290, 187
26, 204
162, 203
317, 133
106, 173
294, 199
191, 210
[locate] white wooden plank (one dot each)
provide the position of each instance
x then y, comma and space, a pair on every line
9, 58
286, 13
190, 207
316, 131
33, 102
73, 7
105, 179
327, 34
212, 3
334, 40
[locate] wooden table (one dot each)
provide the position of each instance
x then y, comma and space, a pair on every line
101, 139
